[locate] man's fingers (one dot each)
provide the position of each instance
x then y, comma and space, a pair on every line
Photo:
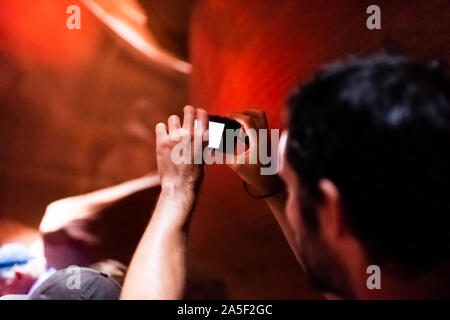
247, 121
201, 128
161, 130
189, 118
174, 123
202, 119
249, 125
259, 117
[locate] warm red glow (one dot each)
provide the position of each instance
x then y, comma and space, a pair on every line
251, 53
35, 32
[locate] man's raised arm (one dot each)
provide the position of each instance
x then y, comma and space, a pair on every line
157, 270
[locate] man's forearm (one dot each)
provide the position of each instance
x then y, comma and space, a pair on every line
157, 270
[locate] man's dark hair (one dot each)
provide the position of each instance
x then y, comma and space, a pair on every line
379, 129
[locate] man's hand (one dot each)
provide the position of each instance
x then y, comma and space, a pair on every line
251, 173
185, 177
264, 184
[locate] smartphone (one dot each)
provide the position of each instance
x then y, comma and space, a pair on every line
217, 129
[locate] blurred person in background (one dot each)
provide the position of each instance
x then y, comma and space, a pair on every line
22, 269
24, 276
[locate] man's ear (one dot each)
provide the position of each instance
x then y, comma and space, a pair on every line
330, 211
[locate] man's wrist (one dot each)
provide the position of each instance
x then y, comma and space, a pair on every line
176, 203
178, 189
181, 196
